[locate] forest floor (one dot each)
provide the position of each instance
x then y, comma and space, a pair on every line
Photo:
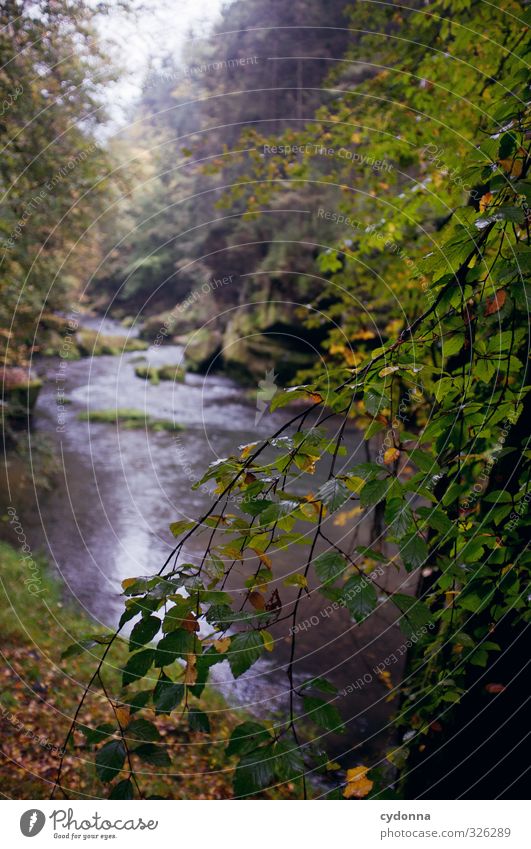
39, 693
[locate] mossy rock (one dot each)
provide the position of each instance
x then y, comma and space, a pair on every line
174, 373
20, 392
129, 419
183, 318
250, 349
202, 349
90, 343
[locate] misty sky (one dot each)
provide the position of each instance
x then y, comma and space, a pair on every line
155, 27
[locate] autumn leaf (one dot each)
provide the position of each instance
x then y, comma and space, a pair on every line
265, 559
269, 642
494, 688
495, 303
190, 623
364, 334
358, 785
122, 713
513, 167
257, 600
385, 678
485, 200
222, 645
388, 370
190, 672
342, 518
391, 455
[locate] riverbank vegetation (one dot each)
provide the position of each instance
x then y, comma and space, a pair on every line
39, 698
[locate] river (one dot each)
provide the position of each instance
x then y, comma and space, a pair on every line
106, 517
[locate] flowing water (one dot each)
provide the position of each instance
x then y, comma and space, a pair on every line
107, 518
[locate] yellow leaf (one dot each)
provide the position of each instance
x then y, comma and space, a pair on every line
296, 580
355, 484
485, 200
190, 672
246, 449
385, 678
128, 582
122, 714
364, 334
513, 167
265, 559
269, 642
342, 518
388, 370
358, 786
222, 645
391, 455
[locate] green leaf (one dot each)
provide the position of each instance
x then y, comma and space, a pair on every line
138, 700
416, 614
176, 644
141, 729
333, 493
321, 684
110, 760
246, 737
453, 344
178, 528
122, 790
167, 695
359, 597
323, 714
198, 721
78, 648
329, 566
245, 649
98, 734
288, 762
137, 666
152, 754
373, 492
375, 401
143, 632
435, 518
254, 772
398, 516
413, 551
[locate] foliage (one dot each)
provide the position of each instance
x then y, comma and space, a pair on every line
53, 172
440, 270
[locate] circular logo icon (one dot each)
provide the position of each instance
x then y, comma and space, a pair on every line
31, 822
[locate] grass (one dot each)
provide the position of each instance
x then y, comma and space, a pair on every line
131, 419
40, 693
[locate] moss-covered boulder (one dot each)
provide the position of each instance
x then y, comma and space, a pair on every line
263, 337
185, 317
20, 392
202, 350
174, 373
